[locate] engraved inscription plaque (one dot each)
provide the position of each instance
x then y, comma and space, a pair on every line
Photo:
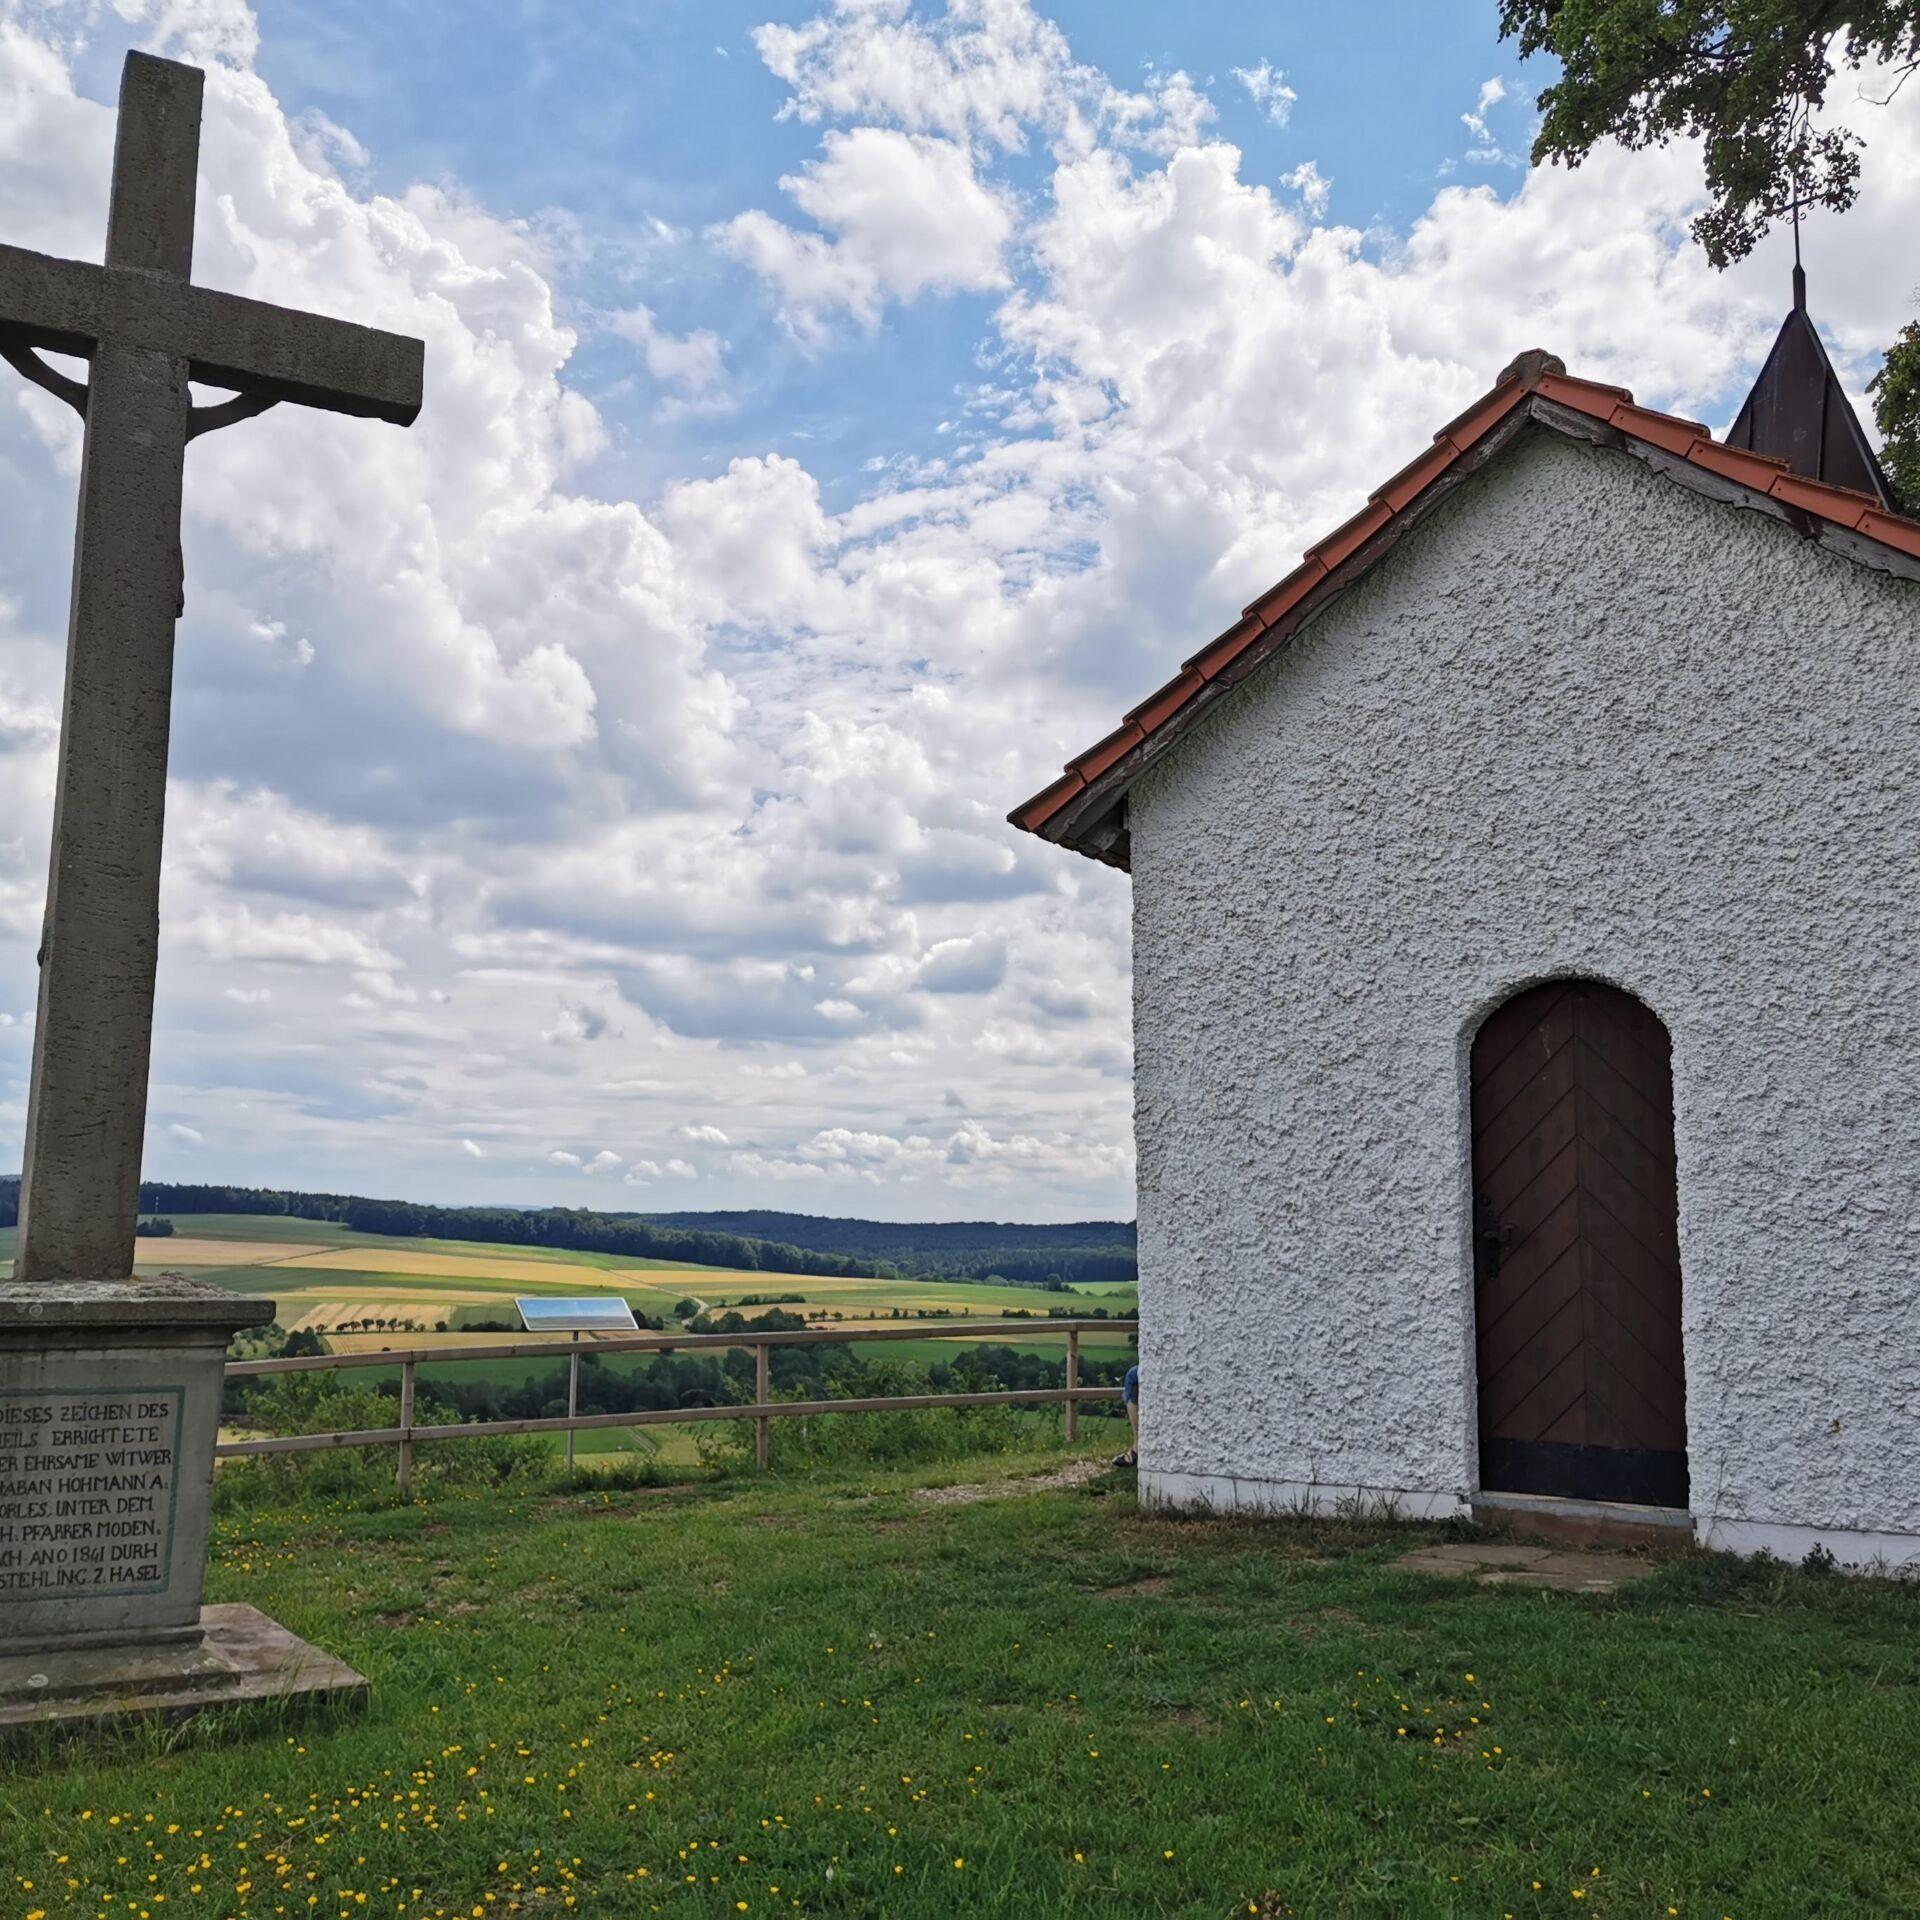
109, 1409
88, 1484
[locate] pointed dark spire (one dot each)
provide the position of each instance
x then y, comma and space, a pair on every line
1798, 411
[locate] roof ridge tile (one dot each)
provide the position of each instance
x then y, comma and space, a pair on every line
1590, 386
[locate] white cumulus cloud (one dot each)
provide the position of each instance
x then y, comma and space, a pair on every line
900, 214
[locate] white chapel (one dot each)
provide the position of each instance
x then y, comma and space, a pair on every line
1526, 908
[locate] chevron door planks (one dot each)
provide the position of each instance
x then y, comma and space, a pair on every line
1576, 1249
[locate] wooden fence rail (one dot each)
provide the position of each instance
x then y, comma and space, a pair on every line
761, 1410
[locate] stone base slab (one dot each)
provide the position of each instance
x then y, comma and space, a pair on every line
1574, 1523
1229, 1493
1856, 1549
110, 1397
241, 1656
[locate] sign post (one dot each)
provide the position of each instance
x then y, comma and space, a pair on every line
586, 1313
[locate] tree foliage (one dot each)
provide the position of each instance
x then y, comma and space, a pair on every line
1746, 77
1896, 409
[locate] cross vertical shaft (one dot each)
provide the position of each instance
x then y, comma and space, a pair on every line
148, 332
87, 1108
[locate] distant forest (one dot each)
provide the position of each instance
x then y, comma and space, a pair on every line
751, 1241
1084, 1251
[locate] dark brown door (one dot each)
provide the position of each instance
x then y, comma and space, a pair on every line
1576, 1249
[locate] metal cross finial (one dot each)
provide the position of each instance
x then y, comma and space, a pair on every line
147, 331
1799, 272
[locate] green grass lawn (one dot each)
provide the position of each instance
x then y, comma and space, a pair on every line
844, 1698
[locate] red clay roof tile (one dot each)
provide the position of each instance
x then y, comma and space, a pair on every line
1235, 641
1532, 372
1276, 600
1570, 388
1351, 535
1891, 531
1823, 502
1755, 470
1168, 701
1464, 430
1416, 477
1032, 814
1658, 429
1103, 753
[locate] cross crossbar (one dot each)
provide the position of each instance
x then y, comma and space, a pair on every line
70, 306
144, 300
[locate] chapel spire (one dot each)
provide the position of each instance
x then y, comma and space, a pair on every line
1799, 412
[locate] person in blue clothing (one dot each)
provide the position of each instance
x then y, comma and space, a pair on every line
1130, 1393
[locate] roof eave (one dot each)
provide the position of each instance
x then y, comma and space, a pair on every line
1085, 809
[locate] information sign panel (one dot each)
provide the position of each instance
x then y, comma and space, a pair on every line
587, 1313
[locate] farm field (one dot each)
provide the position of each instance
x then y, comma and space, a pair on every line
365, 1293
326, 1277
339, 1263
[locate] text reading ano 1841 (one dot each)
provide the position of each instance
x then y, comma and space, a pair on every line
86, 1492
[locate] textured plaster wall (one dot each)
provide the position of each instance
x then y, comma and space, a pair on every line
1582, 721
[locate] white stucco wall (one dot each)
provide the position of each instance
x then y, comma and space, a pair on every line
1582, 721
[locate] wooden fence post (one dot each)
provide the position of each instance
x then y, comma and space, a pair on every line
404, 1477
573, 1396
762, 1426
1073, 1381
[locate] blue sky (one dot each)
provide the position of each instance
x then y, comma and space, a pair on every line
674, 118
836, 415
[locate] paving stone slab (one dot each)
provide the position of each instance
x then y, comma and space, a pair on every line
1466, 1557
1517, 1566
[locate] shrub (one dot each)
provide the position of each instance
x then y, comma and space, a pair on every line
913, 1436
364, 1476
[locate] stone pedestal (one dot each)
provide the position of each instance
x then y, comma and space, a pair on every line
109, 1409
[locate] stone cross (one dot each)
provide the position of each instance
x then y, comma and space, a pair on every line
147, 331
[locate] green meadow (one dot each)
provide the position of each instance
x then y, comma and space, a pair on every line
855, 1694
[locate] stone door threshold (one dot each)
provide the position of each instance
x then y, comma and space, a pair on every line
1587, 1523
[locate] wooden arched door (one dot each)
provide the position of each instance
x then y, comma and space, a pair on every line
1576, 1249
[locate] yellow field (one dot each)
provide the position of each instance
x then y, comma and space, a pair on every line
422, 1312
179, 1250
704, 1283
462, 1266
